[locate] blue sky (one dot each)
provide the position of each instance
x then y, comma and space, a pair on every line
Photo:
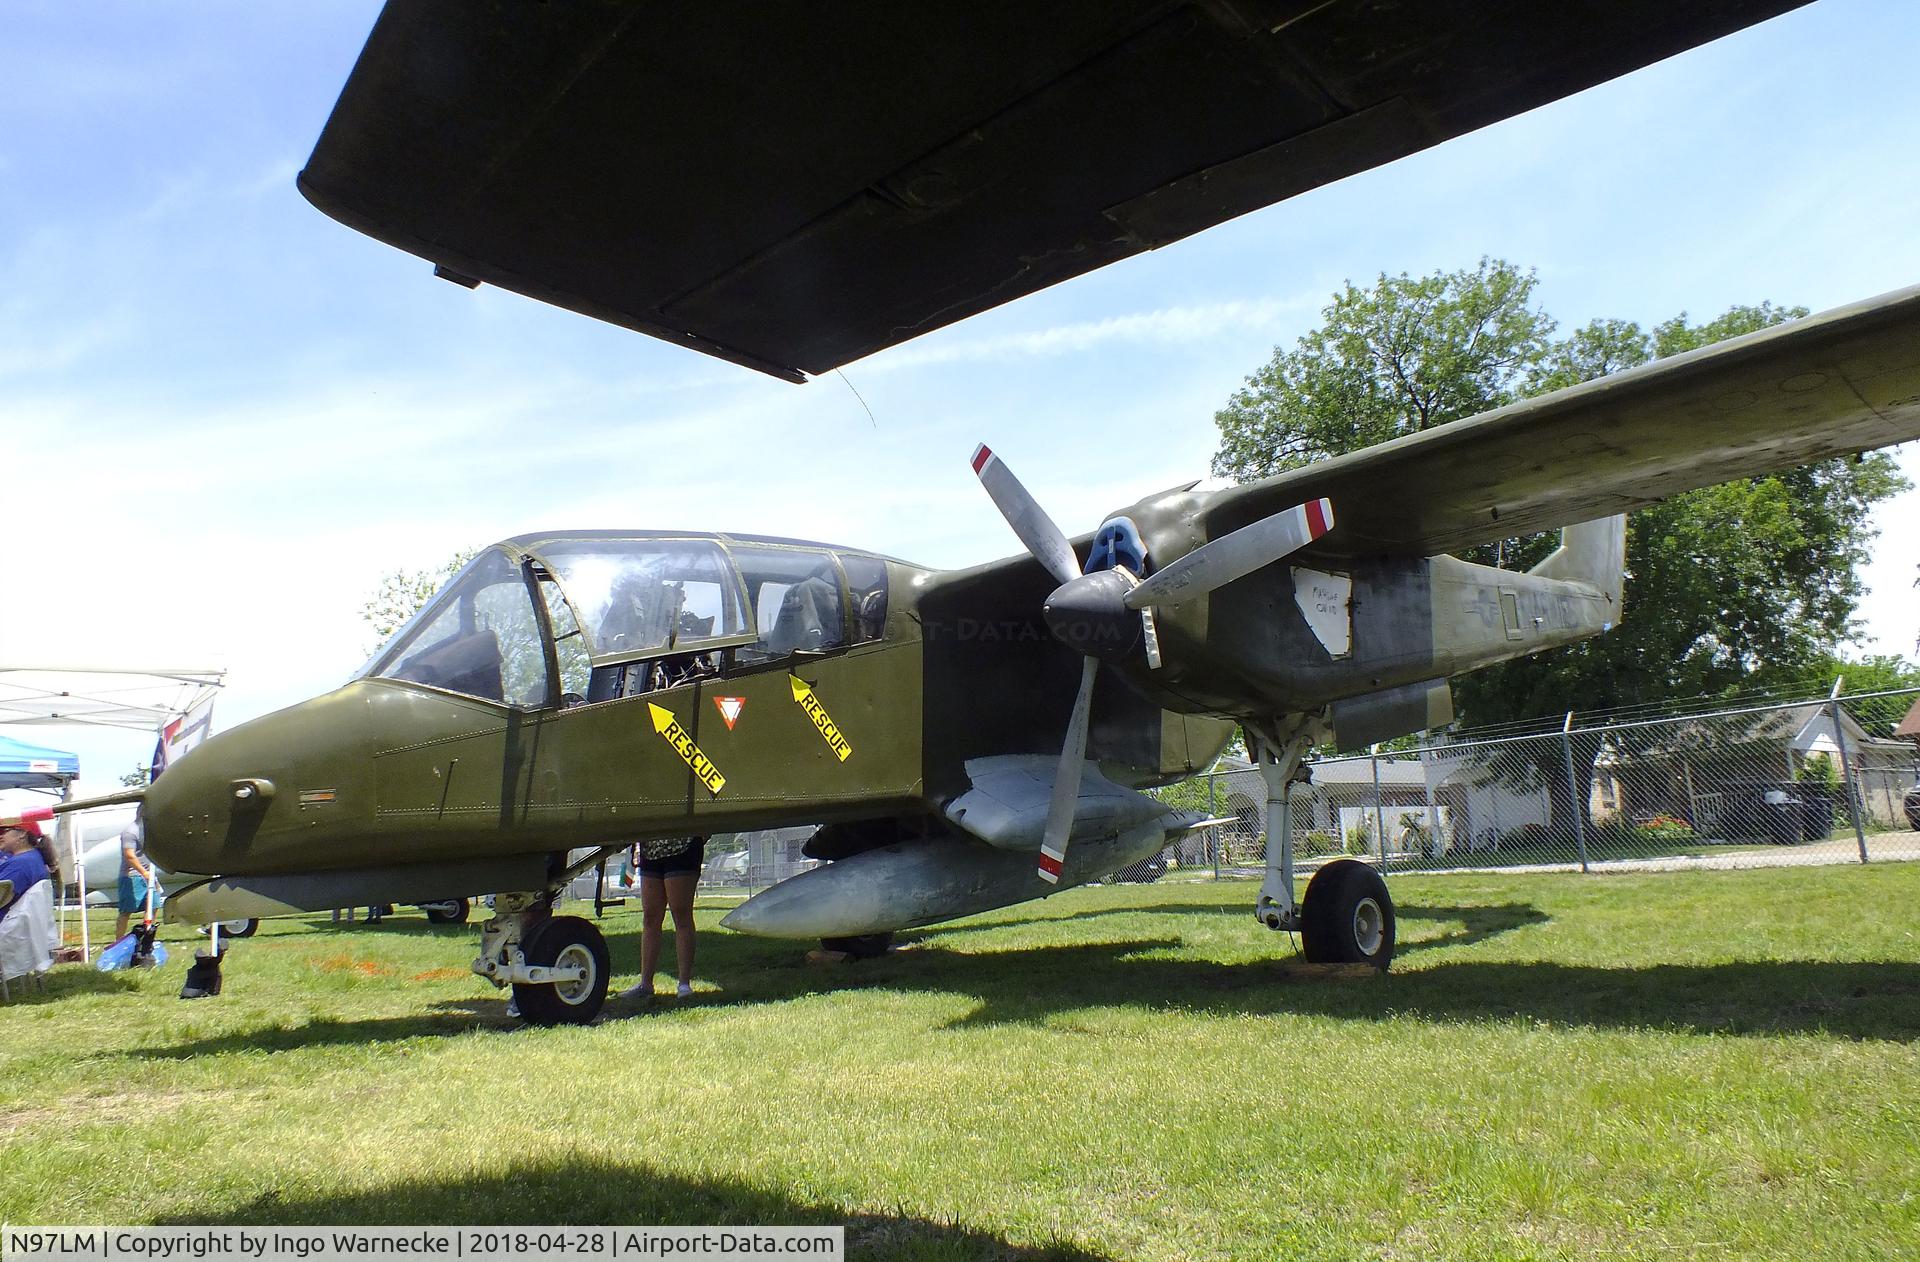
230, 415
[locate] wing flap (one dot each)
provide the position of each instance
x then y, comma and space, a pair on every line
1840, 382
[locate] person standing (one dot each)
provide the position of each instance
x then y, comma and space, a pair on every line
135, 874
669, 874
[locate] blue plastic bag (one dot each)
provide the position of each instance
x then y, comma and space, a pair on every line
117, 956
120, 954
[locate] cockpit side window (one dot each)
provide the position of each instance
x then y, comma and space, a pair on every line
569, 644
866, 596
479, 636
796, 599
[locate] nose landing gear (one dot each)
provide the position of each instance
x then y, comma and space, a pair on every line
558, 966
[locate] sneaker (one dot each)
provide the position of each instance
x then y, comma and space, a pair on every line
684, 991
513, 1007
640, 991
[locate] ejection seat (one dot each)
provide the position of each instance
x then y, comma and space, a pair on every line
809, 618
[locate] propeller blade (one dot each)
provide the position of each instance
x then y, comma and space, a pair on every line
1046, 541
1066, 784
1235, 555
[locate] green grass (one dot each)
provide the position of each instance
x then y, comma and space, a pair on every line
1676, 1065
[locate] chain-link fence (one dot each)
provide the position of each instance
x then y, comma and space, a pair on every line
736, 864
1821, 780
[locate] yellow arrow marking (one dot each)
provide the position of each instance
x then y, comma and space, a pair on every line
822, 721
676, 736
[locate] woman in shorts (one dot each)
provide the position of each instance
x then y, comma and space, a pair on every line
669, 871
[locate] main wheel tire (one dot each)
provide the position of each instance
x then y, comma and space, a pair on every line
561, 941
1346, 916
866, 946
451, 911
239, 928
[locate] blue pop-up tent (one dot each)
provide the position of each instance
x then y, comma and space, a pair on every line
24, 766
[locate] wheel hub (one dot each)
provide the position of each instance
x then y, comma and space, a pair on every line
578, 958
1369, 926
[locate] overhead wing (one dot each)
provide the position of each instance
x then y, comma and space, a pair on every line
1844, 381
792, 186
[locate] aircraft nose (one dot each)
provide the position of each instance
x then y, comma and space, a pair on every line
231, 806
187, 814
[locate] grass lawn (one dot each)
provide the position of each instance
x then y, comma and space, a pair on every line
1712, 1064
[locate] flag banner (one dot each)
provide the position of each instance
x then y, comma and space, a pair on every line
181, 735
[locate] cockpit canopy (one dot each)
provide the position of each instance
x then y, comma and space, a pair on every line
565, 619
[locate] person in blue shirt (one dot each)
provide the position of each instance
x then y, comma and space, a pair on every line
21, 862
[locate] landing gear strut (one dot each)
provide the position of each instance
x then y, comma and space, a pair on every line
1346, 915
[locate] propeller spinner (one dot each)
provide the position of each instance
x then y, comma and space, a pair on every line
1095, 613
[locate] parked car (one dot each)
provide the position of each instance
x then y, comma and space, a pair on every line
1912, 805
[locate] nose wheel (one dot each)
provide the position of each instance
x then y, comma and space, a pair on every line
575, 953
557, 965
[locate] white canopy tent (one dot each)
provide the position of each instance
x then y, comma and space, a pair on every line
140, 699
173, 703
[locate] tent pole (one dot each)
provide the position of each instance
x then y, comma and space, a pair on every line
72, 823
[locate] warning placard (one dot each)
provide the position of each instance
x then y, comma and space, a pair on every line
677, 736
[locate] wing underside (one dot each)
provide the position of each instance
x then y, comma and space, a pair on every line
793, 186
1833, 384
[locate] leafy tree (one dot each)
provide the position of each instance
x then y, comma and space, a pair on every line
1876, 672
1404, 356
1723, 582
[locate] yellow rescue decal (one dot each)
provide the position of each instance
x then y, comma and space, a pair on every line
822, 721
676, 736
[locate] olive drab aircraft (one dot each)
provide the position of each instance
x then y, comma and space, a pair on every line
801, 185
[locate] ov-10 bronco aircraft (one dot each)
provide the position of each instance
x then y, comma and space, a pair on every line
979, 737
794, 186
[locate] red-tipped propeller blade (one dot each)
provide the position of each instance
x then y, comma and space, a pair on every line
1046, 541
1066, 782
1234, 555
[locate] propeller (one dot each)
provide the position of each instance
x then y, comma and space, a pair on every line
1095, 613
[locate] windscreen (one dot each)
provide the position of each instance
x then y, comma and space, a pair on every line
477, 636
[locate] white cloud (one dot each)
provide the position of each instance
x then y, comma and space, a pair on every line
1168, 326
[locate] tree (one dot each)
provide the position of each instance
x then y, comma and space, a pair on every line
1724, 582
403, 592
1401, 357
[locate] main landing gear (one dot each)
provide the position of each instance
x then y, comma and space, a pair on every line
1346, 915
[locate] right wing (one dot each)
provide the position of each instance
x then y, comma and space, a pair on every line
1840, 382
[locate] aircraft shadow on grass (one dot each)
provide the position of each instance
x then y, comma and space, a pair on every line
1851, 1000
594, 1191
